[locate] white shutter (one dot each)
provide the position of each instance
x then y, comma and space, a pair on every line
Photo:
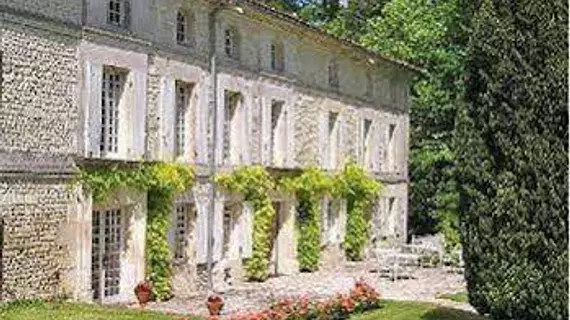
218, 230
201, 231
322, 148
168, 117
93, 86
342, 220
139, 116
342, 144
247, 230
324, 220
382, 145
375, 145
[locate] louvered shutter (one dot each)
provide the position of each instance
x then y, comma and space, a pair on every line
202, 231
139, 115
93, 85
322, 147
168, 117
247, 230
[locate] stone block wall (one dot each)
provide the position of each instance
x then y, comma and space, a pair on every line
35, 258
40, 94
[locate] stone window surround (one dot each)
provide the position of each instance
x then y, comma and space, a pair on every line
132, 108
227, 82
275, 93
277, 56
133, 210
195, 146
240, 238
186, 199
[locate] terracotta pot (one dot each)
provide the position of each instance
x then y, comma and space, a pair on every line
143, 291
215, 304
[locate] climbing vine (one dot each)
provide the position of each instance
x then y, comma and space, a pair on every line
309, 188
360, 190
162, 182
255, 184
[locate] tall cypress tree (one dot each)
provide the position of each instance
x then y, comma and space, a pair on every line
513, 156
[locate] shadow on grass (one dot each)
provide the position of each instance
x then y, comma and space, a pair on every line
442, 313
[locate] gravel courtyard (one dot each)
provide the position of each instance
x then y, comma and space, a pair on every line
424, 285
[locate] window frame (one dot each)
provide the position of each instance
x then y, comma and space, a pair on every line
111, 115
182, 122
122, 11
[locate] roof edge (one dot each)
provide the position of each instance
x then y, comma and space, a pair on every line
255, 4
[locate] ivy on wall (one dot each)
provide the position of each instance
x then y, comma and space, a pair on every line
162, 182
309, 188
255, 184
359, 189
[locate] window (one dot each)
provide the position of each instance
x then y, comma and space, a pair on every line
183, 215
366, 142
106, 253
333, 74
112, 90
183, 94
278, 135
231, 43
329, 221
184, 27
390, 161
119, 13
333, 140
232, 128
369, 85
277, 57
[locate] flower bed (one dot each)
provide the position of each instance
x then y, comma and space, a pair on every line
362, 297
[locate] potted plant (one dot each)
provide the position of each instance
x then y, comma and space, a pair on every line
143, 291
215, 304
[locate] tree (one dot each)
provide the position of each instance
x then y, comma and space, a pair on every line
512, 156
428, 34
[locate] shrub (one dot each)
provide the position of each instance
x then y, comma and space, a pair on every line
513, 159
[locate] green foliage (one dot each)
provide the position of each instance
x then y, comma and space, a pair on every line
162, 182
309, 188
255, 184
428, 34
360, 190
513, 157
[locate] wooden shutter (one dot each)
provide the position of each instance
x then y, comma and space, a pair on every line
139, 115
93, 88
168, 118
201, 231
322, 147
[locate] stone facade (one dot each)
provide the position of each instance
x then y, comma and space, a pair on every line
81, 83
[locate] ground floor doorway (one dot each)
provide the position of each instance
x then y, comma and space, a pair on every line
106, 253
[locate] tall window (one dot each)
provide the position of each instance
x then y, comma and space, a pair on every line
183, 93
184, 26
112, 89
277, 57
390, 161
232, 127
119, 13
278, 143
231, 43
183, 215
366, 142
333, 73
333, 140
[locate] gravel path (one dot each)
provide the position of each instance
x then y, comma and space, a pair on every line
424, 285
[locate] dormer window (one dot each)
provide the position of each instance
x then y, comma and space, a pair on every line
277, 57
184, 28
231, 43
119, 13
333, 74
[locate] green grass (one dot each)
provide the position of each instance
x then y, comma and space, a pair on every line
36, 310
396, 310
457, 297
391, 310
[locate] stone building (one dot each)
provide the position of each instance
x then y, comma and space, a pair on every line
132, 80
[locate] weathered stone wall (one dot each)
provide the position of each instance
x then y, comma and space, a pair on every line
34, 254
69, 11
40, 95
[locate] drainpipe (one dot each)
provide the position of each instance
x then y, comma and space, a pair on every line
212, 105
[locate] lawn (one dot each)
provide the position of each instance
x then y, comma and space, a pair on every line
457, 297
392, 310
396, 310
74, 311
